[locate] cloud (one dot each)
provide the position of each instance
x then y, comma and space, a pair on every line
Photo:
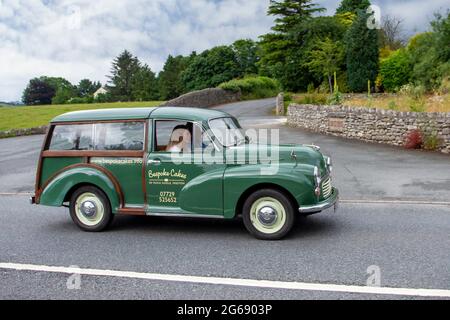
76, 39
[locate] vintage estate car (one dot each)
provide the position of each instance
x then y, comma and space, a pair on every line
156, 162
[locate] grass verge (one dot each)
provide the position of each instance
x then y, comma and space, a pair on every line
37, 116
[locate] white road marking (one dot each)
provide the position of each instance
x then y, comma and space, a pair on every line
16, 194
232, 281
410, 202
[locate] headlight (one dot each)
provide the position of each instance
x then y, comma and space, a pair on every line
317, 176
329, 164
318, 180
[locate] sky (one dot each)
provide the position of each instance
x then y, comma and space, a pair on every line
78, 39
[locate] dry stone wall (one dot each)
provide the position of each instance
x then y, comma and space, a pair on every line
372, 125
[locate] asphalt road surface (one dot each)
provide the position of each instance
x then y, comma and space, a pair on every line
395, 219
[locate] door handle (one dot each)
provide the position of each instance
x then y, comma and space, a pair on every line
155, 162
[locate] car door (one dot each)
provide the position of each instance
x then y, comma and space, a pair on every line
179, 180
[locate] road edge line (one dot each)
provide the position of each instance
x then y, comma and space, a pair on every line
301, 286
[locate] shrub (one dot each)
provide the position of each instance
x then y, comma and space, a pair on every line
414, 139
392, 105
414, 92
445, 86
313, 98
417, 105
253, 87
335, 98
395, 71
431, 139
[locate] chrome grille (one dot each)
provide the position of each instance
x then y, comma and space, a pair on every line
327, 188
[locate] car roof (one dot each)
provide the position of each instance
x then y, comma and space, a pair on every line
182, 113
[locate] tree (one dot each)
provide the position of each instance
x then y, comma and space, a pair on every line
38, 92
144, 85
211, 68
170, 83
362, 53
282, 55
352, 6
87, 88
430, 54
246, 52
391, 33
290, 13
124, 68
326, 58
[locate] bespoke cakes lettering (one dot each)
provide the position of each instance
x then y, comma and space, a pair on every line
167, 174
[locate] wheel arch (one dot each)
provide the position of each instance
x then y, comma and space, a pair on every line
259, 186
59, 188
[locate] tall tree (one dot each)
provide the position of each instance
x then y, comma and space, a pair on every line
281, 50
124, 68
362, 49
38, 92
246, 52
352, 6
211, 68
391, 33
144, 85
170, 83
87, 88
326, 58
290, 13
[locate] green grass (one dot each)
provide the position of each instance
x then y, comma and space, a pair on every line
36, 116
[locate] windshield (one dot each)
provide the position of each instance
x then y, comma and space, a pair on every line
227, 131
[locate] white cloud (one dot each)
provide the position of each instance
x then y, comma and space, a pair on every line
78, 38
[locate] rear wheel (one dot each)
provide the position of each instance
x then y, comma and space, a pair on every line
90, 209
268, 214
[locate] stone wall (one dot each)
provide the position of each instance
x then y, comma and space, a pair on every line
204, 98
372, 125
23, 132
280, 104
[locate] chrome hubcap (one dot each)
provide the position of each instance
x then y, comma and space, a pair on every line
267, 216
88, 209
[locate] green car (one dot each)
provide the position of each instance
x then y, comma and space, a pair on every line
178, 162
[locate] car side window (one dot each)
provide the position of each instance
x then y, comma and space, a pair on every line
201, 139
128, 136
72, 137
173, 136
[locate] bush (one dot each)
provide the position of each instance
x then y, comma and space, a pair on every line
431, 139
335, 98
415, 92
414, 139
313, 98
253, 87
395, 71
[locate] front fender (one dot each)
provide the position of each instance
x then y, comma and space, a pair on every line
56, 190
294, 179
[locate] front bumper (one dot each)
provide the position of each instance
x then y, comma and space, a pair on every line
332, 201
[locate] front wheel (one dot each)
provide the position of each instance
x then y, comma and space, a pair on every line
90, 209
268, 215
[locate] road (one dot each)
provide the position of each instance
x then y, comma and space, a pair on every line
405, 234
